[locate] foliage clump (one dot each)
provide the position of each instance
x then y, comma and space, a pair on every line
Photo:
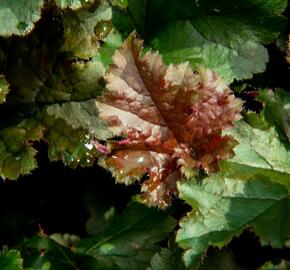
217, 160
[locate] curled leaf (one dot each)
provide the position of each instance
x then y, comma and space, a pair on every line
172, 119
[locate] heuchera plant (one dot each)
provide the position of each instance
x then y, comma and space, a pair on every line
186, 101
171, 119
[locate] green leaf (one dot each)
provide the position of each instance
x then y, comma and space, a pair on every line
66, 239
260, 152
54, 76
223, 36
81, 114
224, 206
251, 190
277, 109
283, 265
130, 241
190, 45
127, 243
112, 42
119, 3
100, 211
73, 4
4, 89
64, 62
89, 35
261, 149
255, 120
166, 260
83, 30
10, 260
17, 156
18, 17
42, 253
40, 73
220, 259
66, 143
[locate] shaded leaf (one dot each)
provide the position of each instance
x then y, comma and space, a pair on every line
283, 265
112, 42
71, 145
41, 253
277, 108
166, 260
54, 78
73, 4
130, 240
17, 156
10, 260
119, 3
18, 17
220, 259
170, 116
66, 239
83, 114
80, 30
57, 78
223, 36
4, 89
255, 120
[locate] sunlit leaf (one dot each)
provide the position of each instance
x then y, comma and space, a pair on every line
251, 191
170, 117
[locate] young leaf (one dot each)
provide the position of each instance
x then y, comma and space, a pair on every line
172, 117
18, 17
129, 242
10, 260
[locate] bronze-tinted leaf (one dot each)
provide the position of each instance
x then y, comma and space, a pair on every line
172, 119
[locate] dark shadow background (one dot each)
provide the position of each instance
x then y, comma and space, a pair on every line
55, 198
